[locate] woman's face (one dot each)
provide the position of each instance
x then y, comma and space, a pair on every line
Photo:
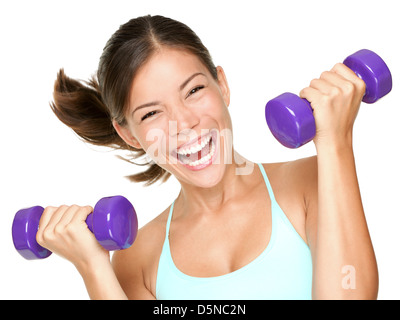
178, 114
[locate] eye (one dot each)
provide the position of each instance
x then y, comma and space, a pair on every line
147, 115
194, 90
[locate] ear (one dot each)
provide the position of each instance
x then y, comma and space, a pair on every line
223, 84
126, 135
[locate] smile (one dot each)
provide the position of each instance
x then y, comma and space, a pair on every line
198, 153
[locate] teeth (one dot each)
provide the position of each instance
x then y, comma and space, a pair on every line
204, 159
195, 148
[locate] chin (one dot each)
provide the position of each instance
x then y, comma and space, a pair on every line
208, 178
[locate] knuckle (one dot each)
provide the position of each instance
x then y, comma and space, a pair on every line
361, 84
349, 87
48, 211
338, 65
58, 230
335, 92
70, 227
314, 82
324, 74
47, 235
70, 230
39, 238
75, 208
325, 99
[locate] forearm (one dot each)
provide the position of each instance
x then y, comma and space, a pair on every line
343, 242
101, 282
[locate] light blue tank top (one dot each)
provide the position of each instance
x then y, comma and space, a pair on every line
282, 271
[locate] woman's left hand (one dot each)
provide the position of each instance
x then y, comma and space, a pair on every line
335, 98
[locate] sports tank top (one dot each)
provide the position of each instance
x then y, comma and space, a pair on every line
282, 271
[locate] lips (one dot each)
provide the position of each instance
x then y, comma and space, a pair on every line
191, 148
197, 153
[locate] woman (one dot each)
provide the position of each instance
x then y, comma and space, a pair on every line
237, 230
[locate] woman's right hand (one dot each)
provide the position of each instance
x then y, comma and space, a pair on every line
63, 230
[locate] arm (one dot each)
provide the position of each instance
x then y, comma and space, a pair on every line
101, 282
121, 279
63, 230
130, 271
336, 225
343, 245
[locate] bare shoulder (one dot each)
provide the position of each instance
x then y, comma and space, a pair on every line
297, 177
304, 173
295, 187
136, 266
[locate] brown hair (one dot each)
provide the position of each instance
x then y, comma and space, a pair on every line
90, 107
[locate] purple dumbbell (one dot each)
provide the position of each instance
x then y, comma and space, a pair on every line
113, 222
291, 119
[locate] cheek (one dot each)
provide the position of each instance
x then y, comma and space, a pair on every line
153, 141
214, 106
156, 146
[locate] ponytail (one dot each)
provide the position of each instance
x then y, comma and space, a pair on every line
79, 106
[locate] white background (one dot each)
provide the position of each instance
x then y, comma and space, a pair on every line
265, 47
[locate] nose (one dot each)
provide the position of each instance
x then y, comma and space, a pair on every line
186, 120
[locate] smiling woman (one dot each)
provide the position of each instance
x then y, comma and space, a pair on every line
89, 108
189, 106
230, 234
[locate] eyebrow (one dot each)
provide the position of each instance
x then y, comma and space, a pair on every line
184, 84
181, 87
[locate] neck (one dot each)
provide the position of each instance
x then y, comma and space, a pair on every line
193, 199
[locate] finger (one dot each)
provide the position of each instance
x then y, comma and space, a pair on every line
338, 84
68, 215
345, 72
312, 95
82, 214
56, 217
346, 80
47, 222
47, 216
333, 78
348, 74
321, 85
309, 93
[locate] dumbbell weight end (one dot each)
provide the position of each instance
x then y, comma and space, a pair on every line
371, 68
291, 120
24, 229
114, 223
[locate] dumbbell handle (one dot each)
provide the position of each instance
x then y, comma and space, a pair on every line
113, 222
89, 222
